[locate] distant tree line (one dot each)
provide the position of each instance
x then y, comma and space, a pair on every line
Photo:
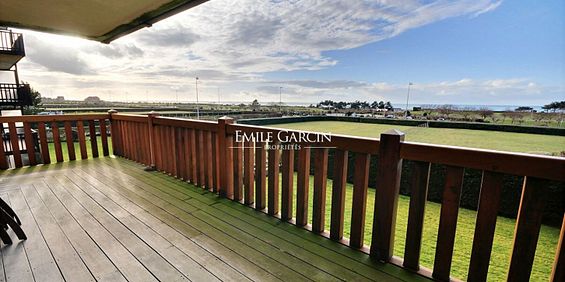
356, 105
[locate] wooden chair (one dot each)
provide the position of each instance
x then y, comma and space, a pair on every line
8, 218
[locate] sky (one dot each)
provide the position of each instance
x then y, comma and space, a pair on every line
472, 52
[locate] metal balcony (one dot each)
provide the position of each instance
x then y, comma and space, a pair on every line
11, 48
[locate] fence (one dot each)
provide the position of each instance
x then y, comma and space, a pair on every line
212, 156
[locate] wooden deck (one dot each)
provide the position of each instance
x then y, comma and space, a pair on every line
107, 219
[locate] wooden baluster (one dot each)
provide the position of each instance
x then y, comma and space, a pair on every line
224, 159
528, 224
389, 169
249, 173
448, 222
303, 186
209, 161
489, 201
14, 141
360, 186
187, 156
181, 165
116, 140
43, 143
93, 138
57, 142
215, 163
157, 148
320, 182
238, 171
70, 143
418, 194
3, 159
152, 142
104, 137
201, 159
558, 272
174, 151
287, 184
261, 177
82, 140
339, 187
194, 157
273, 193
124, 138
30, 145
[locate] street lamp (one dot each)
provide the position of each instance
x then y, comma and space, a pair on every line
407, 98
197, 107
280, 99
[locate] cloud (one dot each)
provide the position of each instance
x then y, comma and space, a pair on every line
171, 37
233, 44
56, 58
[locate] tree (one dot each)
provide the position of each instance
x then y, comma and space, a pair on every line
446, 110
388, 106
36, 103
554, 106
524, 109
255, 105
485, 113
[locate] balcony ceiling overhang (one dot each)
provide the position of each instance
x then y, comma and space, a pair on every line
98, 20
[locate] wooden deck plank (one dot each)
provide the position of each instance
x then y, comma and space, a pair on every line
103, 228
192, 230
179, 239
15, 262
283, 235
67, 258
355, 260
249, 249
231, 257
109, 211
96, 261
40, 259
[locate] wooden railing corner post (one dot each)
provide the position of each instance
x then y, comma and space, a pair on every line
150, 118
225, 143
114, 132
389, 169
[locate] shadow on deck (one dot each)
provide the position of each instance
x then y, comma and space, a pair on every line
107, 219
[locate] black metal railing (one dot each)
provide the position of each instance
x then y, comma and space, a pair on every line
11, 43
12, 94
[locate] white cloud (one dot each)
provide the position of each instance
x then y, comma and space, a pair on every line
231, 44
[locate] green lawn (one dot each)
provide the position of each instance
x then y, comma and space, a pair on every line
496, 140
77, 149
517, 142
502, 245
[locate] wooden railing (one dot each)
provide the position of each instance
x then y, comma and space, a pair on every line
26, 139
212, 156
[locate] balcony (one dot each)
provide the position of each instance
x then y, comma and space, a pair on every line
15, 95
11, 49
219, 209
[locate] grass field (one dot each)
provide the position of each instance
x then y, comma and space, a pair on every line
504, 141
517, 142
77, 149
502, 245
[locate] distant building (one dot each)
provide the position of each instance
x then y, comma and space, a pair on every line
94, 100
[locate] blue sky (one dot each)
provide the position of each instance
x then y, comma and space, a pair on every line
456, 52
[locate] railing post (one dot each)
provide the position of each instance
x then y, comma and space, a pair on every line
113, 133
558, 272
389, 168
150, 117
225, 142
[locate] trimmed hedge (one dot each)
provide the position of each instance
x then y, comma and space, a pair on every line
510, 197
406, 122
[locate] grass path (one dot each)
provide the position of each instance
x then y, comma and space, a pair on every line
496, 140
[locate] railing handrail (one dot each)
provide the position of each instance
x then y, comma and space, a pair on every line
52, 118
521, 164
